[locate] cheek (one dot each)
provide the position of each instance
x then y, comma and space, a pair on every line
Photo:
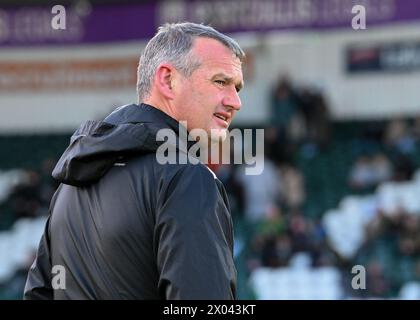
200, 101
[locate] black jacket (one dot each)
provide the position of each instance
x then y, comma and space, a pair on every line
124, 226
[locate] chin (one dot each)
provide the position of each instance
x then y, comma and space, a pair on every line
218, 135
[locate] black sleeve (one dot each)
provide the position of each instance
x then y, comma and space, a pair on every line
194, 238
38, 284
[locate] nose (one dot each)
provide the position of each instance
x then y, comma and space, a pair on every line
232, 100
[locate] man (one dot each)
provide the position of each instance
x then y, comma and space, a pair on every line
123, 226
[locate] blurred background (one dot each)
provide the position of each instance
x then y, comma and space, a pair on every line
340, 108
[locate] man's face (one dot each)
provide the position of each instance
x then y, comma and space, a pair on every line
208, 99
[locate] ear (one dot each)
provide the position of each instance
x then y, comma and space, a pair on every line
165, 80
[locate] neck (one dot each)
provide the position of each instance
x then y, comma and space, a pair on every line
162, 105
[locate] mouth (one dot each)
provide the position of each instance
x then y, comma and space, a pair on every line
224, 118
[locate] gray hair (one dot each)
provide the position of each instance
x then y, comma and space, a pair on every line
172, 43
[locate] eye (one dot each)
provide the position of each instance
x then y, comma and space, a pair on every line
221, 82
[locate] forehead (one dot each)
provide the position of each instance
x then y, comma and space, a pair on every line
216, 57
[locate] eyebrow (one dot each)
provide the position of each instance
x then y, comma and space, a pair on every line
229, 80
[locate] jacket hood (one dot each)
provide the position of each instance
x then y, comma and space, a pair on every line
97, 145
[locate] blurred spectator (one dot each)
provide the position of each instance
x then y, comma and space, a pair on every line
376, 282
300, 233
284, 108
316, 115
403, 167
416, 128
286, 128
321, 254
26, 198
368, 171
12, 289
297, 115
409, 235
276, 251
274, 223
293, 188
398, 135
261, 192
